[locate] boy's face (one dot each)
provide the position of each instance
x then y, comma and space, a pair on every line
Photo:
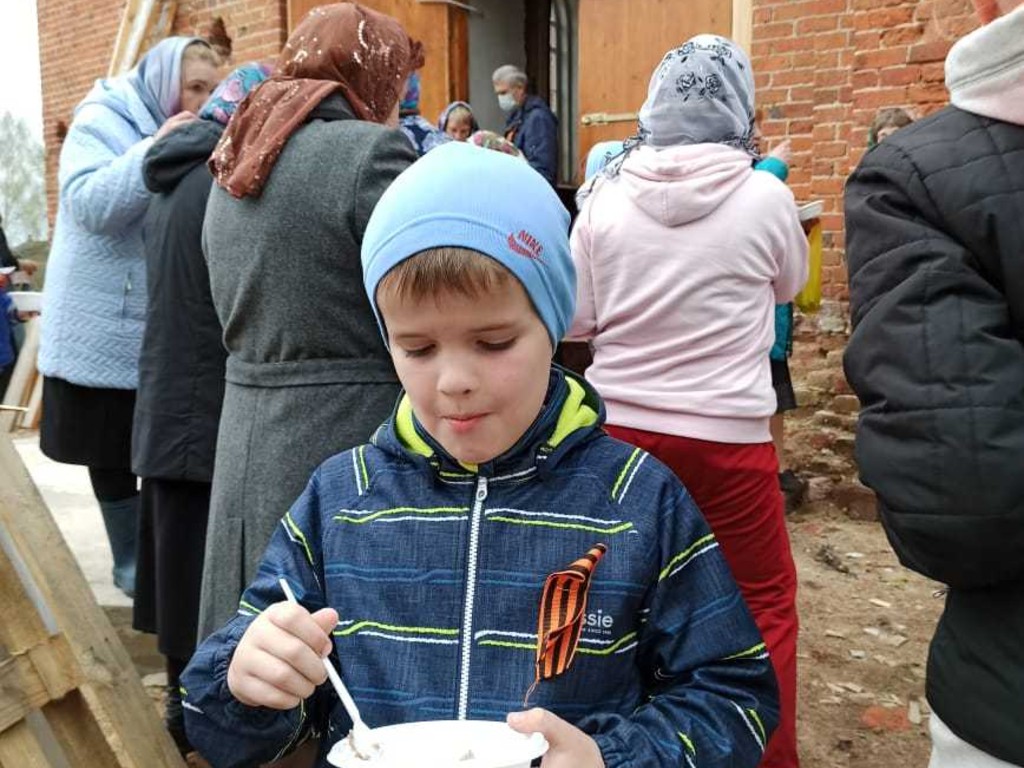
475, 368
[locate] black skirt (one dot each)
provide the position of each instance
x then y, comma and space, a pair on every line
87, 425
169, 572
783, 385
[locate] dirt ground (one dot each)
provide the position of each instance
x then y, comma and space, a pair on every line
866, 622
865, 626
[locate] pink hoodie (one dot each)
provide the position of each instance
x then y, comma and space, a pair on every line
680, 261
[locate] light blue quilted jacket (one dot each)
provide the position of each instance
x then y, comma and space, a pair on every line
94, 302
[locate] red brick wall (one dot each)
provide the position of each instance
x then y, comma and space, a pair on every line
823, 69
76, 41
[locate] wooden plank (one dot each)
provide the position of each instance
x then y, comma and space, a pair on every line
743, 23
22, 627
19, 748
131, 11
31, 418
46, 739
31, 680
56, 667
111, 686
161, 24
78, 733
17, 695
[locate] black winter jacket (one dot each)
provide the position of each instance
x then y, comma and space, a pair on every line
935, 243
181, 366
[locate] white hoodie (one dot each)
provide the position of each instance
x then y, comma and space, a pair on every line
985, 70
680, 261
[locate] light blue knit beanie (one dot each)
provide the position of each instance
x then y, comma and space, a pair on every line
600, 155
463, 196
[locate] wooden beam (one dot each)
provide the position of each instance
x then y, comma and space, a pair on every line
32, 680
743, 24
19, 748
110, 685
78, 733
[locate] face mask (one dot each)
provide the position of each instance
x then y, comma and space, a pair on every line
507, 102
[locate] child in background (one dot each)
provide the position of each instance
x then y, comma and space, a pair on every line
682, 251
458, 121
886, 123
422, 557
793, 488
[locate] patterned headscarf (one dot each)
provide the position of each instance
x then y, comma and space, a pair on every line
701, 93
156, 80
232, 90
442, 122
410, 104
342, 48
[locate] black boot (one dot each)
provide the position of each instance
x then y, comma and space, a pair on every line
174, 713
793, 490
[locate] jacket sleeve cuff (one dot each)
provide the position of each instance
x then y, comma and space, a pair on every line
613, 751
256, 718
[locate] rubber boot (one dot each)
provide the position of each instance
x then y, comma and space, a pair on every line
121, 519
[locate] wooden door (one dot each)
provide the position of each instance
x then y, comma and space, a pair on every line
620, 44
444, 31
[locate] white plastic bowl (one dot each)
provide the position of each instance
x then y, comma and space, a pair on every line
27, 301
445, 744
810, 211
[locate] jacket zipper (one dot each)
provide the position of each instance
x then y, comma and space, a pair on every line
467, 620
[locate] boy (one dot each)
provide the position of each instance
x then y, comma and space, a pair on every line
421, 558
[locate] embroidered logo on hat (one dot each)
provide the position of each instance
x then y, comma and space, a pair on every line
525, 244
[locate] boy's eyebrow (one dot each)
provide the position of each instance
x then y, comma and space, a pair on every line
506, 326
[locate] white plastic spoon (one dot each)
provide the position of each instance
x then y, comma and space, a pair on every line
361, 738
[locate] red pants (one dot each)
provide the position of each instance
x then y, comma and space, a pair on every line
736, 487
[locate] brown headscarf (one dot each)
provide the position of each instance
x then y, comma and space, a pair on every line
345, 48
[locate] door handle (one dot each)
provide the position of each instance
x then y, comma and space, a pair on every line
604, 118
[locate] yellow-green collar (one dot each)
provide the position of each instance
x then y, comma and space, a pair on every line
574, 415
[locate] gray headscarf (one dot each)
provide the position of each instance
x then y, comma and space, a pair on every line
701, 93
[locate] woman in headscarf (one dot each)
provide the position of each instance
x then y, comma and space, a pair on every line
458, 121
181, 386
682, 252
422, 135
298, 171
94, 304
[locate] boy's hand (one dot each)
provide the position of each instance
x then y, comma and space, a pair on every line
569, 747
278, 663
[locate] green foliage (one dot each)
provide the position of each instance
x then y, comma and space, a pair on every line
22, 185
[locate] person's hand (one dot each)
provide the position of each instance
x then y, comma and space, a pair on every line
28, 266
175, 121
278, 663
568, 746
782, 151
24, 317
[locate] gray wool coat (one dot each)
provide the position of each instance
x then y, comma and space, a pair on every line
308, 375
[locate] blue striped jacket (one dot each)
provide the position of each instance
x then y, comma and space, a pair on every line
436, 573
